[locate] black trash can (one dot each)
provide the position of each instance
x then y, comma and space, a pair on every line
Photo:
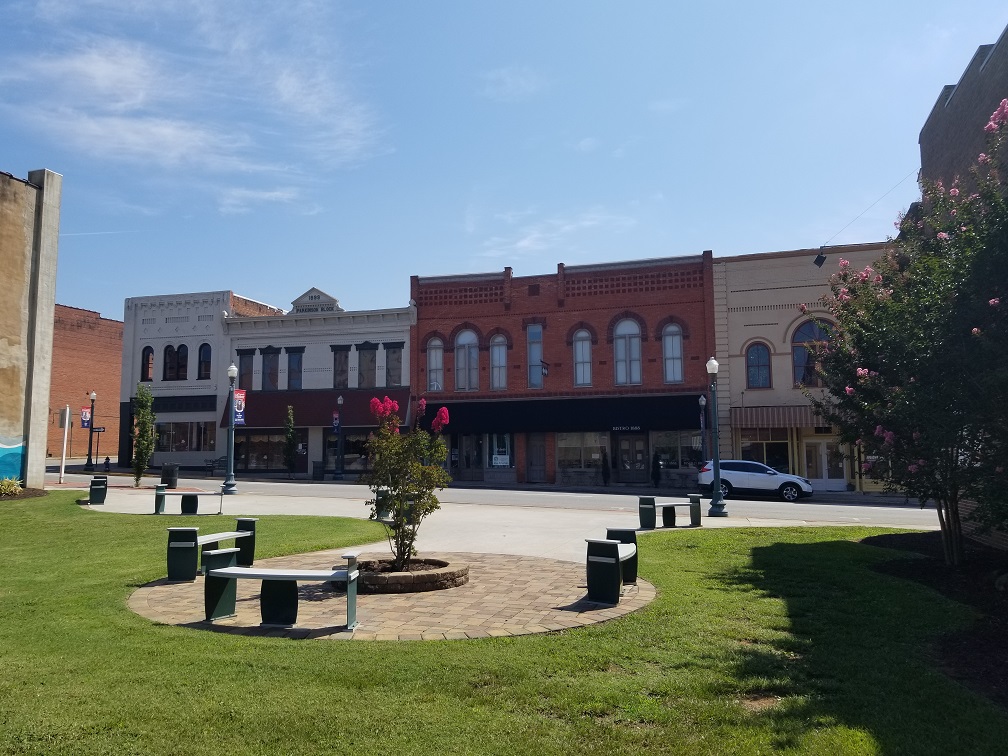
169, 474
318, 470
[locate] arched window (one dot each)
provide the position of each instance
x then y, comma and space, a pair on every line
147, 364
183, 362
203, 370
672, 349
627, 352
435, 365
757, 361
170, 370
582, 358
498, 362
466, 362
806, 336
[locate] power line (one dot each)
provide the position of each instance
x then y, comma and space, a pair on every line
870, 207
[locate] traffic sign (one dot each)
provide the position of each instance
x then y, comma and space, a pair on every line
100, 430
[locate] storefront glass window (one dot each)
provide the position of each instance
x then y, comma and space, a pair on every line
580, 450
500, 450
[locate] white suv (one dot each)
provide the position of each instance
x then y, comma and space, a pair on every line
752, 477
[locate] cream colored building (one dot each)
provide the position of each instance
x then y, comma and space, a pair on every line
759, 330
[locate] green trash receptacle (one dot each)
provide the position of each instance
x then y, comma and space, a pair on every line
383, 505
169, 475
97, 490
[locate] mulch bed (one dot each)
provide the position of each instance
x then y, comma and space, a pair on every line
26, 493
978, 656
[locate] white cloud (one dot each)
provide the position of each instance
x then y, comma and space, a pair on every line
511, 84
555, 235
588, 144
237, 200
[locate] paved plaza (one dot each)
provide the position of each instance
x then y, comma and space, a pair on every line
526, 557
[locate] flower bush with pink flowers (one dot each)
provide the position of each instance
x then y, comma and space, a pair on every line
916, 370
406, 467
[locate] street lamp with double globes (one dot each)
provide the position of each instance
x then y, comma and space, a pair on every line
703, 430
717, 505
230, 486
89, 465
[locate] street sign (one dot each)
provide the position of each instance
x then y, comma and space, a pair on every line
100, 430
335, 420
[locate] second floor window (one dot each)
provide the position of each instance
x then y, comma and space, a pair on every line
498, 362
582, 358
534, 336
294, 363
672, 348
147, 364
803, 343
757, 360
203, 369
466, 362
341, 368
435, 365
245, 371
393, 365
367, 367
270, 371
627, 352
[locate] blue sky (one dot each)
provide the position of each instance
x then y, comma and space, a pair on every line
270, 147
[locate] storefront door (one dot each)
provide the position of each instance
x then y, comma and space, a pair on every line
536, 458
824, 465
633, 461
470, 458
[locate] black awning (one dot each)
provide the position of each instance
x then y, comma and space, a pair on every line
623, 413
268, 409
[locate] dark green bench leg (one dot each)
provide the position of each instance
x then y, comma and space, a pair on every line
183, 554
603, 573
278, 602
646, 508
219, 593
246, 545
668, 517
190, 503
159, 498
351, 590
628, 567
694, 510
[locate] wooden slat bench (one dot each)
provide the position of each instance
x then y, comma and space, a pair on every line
647, 508
611, 562
278, 599
185, 545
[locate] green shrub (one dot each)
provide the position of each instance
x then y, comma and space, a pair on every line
9, 487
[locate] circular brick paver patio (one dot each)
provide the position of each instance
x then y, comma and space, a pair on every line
505, 595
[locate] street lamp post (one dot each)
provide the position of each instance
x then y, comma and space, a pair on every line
717, 505
230, 486
703, 430
89, 465
339, 437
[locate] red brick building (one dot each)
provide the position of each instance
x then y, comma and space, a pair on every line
557, 378
87, 356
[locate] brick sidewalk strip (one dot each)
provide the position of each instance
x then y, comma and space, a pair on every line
505, 595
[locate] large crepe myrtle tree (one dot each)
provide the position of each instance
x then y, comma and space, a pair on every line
915, 366
407, 466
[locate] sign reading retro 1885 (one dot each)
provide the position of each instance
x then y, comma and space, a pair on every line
626, 428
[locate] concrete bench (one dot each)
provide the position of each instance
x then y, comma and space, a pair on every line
611, 562
278, 599
185, 545
647, 508
189, 499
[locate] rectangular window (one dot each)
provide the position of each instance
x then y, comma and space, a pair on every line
582, 361
245, 371
498, 363
580, 451
435, 366
535, 356
183, 437
270, 371
678, 449
341, 368
294, 362
500, 450
367, 368
393, 366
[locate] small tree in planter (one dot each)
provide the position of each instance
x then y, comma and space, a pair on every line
143, 431
408, 467
290, 443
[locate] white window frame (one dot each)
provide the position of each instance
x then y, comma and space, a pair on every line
498, 363
534, 338
673, 352
435, 365
627, 353
466, 361
582, 358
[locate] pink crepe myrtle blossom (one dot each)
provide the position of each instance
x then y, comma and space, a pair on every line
862, 372
994, 302
878, 278
975, 331
943, 236
953, 192
382, 408
952, 213
983, 160
888, 437
912, 468
849, 390
844, 263
991, 127
440, 420
879, 430
421, 407
802, 307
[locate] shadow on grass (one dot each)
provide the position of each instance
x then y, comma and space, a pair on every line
856, 651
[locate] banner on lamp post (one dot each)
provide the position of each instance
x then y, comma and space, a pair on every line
85, 417
239, 409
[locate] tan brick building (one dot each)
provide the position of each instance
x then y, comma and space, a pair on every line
554, 378
87, 356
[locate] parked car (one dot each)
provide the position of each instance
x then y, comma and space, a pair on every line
744, 476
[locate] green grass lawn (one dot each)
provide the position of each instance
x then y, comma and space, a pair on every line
760, 640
